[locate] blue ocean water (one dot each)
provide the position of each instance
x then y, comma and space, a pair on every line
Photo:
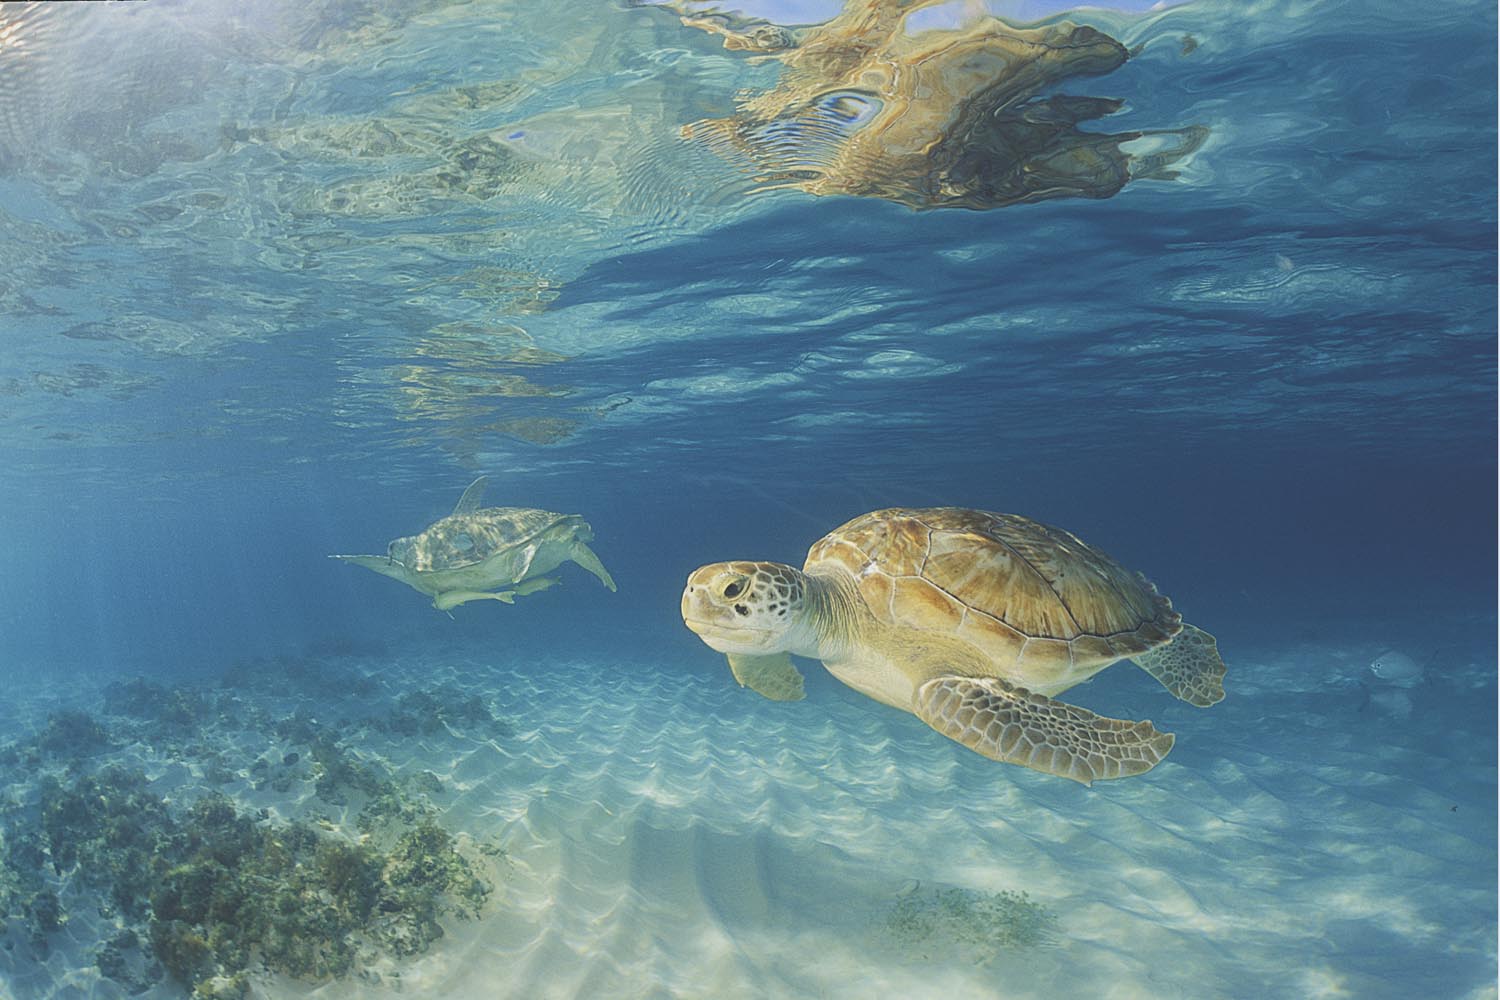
278, 282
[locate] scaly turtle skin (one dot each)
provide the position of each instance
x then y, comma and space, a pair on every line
471, 552
970, 620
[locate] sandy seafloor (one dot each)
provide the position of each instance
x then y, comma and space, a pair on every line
670, 835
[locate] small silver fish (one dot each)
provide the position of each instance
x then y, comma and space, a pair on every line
1395, 667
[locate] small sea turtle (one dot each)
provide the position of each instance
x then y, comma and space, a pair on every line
969, 620
470, 553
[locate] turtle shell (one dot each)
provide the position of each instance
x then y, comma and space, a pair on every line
462, 540
1028, 595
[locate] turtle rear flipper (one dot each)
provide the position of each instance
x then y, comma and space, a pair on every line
1015, 726
1189, 666
584, 556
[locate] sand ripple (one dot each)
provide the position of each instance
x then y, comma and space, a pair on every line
670, 835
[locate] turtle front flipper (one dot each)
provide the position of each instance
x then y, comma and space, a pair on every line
384, 565
1189, 666
772, 676
584, 556
1015, 726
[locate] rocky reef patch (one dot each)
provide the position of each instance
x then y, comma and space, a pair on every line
207, 834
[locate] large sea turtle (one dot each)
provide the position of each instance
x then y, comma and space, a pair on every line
970, 620
489, 553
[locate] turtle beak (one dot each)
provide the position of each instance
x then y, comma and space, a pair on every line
711, 610
698, 610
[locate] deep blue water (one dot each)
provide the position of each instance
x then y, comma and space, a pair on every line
1268, 384
233, 248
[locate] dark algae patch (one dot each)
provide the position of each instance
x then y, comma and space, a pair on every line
948, 922
300, 901
427, 712
196, 888
215, 893
72, 732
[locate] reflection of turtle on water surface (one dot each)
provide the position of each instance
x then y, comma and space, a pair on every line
969, 620
489, 553
947, 117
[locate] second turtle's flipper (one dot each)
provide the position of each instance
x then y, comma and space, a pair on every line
453, 598
584, 556
1015, 726
772, 676
1189, 666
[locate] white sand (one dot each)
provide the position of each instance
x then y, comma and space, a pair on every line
671, 835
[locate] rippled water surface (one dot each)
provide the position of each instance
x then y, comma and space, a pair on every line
1213, 286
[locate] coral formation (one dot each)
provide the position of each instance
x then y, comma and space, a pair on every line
72, 733
217, 892
203, 891
337, 772
128, 961
431, 711
21, 884
108, 827
174, 708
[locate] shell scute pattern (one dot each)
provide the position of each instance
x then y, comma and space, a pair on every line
896, 547
915, 601
997, 582
461, 540
1043, 652
992, 635
878, 590
1092, 649
1097, 596
1020, 590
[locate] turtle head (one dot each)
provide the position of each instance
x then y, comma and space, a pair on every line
400, 551
746, 607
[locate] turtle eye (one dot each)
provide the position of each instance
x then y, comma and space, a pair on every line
734, 589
